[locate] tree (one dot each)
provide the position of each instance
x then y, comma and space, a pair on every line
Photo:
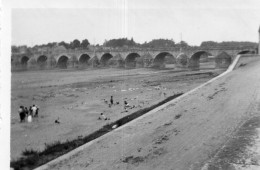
64, 44
75, 44
131, 42
182, 44
53, 44
208, 44
158, 43
15, 49
120, 42
227, 44
84, 43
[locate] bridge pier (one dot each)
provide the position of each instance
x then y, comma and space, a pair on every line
51, 63
117, 64
83, 65
32, 64
194, 64
182, 61
148, 63
73, 62
116, 61
42, 66
223, 60
148, 60
94, 62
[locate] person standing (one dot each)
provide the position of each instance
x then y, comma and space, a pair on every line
37, 111
26, 111
111, 100
21, 113
30, 111
34, 109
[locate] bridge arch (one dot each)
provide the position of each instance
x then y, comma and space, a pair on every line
105, 59
194, 60
130, 60
62, 61
84, 59
159, 60
42, 61
24, 60
246, 52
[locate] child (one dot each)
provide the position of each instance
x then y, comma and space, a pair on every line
29, 119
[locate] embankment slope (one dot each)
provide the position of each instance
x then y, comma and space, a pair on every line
184, 135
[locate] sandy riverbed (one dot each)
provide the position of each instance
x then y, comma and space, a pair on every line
77, 99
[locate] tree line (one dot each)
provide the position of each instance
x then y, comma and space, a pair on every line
130, 43
207, 44
75, 44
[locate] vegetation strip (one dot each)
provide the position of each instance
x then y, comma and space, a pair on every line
32, 159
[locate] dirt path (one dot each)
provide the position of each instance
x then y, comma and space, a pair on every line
184, 135
242, 150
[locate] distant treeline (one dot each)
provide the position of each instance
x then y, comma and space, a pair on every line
72, 45
130, 43
207, 44
156, 43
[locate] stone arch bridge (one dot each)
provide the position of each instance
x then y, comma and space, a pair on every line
121, 58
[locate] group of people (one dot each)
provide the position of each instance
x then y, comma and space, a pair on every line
103, 117
24, 113
111, 103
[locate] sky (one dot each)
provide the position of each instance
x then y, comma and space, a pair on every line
38, 22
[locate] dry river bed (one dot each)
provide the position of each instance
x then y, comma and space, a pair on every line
76, 99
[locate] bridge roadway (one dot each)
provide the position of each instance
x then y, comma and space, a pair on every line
61, 57
184, 135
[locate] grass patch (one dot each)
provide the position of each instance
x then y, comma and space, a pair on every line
178, 116
242, 65
28, 152
34, 158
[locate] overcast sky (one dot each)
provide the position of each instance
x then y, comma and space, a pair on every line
38, 22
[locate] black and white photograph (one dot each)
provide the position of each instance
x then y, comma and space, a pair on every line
130, 85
